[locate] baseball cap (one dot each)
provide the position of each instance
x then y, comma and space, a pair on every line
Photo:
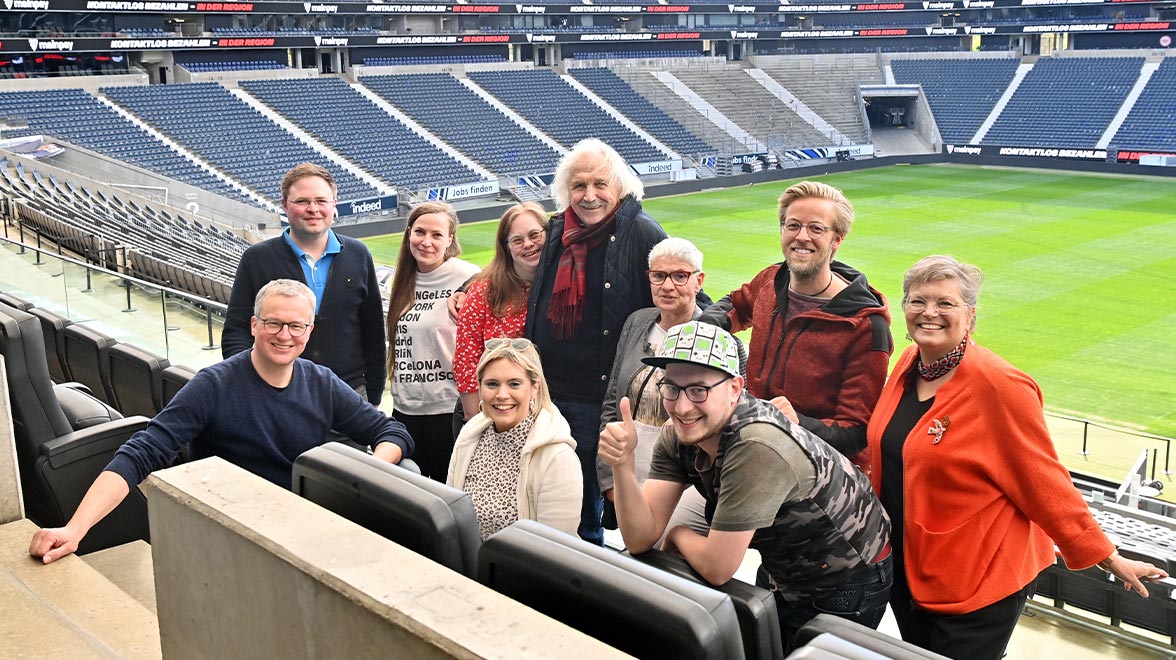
698, 343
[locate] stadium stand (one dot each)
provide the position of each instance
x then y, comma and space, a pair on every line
608, 86
439, 102
252, 65
961, 92
562, 112
1065, 102
240, 140
829, 89
632, 54
432, 59
369, 137
160, 247
1151, 122
77, 117
754, 109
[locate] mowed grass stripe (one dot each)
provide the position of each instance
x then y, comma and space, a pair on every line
1080, 269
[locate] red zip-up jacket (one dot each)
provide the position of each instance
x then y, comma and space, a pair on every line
830, 363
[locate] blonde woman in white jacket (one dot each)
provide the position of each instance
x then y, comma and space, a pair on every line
516, 458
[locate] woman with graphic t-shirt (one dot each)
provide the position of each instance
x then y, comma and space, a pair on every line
421, 336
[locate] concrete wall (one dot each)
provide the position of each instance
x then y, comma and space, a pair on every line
245, 569
88, 83
11, 499
230, 79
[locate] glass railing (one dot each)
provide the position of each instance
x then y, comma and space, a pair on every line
178, 325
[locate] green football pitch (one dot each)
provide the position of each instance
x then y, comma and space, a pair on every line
1080, 270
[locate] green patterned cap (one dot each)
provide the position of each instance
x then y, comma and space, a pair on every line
698, 343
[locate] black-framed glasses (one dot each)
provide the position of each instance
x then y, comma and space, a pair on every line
678, 277
815, 229
694, 393
518, 343
535, 236
307, 203
296, 328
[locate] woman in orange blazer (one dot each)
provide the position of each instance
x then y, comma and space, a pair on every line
965, 467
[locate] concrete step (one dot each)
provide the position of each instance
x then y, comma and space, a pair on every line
66, 609
129, 567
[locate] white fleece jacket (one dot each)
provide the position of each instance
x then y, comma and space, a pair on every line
550, 485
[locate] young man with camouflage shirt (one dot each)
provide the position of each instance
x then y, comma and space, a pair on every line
768, 483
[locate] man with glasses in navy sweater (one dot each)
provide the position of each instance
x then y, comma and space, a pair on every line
259, 409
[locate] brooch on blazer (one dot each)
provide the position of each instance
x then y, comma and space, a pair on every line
938, 428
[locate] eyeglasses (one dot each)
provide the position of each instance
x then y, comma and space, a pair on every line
307, 203
694, 393
297, 328
815, 229
518, 343
944, 307
535, 236
678, 277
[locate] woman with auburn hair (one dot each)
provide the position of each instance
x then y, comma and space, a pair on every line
516, 458
421, 335
966, 469
496, 302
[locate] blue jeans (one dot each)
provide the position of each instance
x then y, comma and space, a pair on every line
584, 418
861, 598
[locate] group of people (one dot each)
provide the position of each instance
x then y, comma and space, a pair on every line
586, 358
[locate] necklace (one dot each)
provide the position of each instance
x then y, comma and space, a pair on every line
817, 294
944, 364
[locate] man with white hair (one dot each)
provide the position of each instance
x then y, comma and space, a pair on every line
259, 409
590, 278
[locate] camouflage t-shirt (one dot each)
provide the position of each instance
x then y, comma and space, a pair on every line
815, 516
760, 474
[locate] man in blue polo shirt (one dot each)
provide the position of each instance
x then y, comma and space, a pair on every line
349, 318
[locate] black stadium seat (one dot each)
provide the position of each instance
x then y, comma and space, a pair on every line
87, 352
639, 609
427, 517
53, 333
57, 462
136, 377
15, 301
755, 606
173, 377
873, 643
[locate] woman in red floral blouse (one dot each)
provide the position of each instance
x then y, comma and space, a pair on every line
496, 303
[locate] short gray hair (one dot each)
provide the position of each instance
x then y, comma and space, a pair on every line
288, 288
942, 267
602, 156
677, 248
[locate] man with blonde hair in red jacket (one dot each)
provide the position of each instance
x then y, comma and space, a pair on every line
820, 334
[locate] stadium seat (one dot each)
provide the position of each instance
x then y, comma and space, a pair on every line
173, 377
136, 378
58, 463
874, 643
87, 352
53, 330
755, 607
425, 516
15, 301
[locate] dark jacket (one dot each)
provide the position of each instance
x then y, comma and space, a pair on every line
625, 289
829, 363
348, 334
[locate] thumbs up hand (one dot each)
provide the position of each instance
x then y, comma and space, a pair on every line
618, 441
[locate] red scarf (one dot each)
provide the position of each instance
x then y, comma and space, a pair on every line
567, 296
